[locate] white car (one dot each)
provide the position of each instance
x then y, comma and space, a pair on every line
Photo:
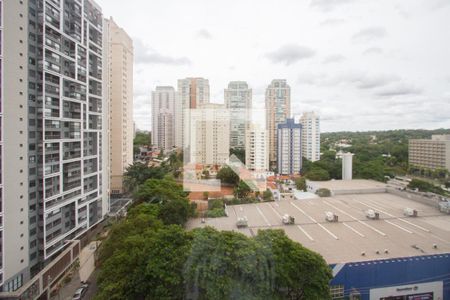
79, 293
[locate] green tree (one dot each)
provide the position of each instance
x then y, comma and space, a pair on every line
137, 173
317, 174
146, 266
323, 192
226, 265
299, 272
142, 139
300, 183
174, 206
267, 195
228, 176
242, 190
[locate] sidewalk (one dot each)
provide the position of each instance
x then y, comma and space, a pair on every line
86, 272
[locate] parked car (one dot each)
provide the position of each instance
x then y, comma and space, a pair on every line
79, 293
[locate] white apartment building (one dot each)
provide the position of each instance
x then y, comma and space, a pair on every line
278, 109
431, 153
209, 129
191, 93
310, 135
257, 149
119, 60
289, 144
52, 136
163, 117
238, 99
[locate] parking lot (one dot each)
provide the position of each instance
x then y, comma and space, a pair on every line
354, 237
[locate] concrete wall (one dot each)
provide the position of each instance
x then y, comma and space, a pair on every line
415, 197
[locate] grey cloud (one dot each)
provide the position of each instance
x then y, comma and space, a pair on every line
289, 54
436, 4
375, 81
328, 5
147, 55
369, 34
373, 51
204, 34
333, 59
400, 89
332, 22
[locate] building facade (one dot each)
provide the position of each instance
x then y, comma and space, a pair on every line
431, 153
163, 117
51, 109
289, 148
257, 149
238, 99
209, 142
278, 109
310, 136
191, 93
119, 60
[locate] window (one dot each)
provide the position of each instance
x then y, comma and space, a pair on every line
337, 292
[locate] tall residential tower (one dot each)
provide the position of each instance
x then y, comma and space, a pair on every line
310, 136
119, 64
238, 99
289, 144
163, 117
278, 109
52, 106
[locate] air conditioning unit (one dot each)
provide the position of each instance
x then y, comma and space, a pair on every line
331, 217
409, 212
373, 215
288, 220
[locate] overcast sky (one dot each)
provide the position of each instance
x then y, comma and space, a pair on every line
361, 64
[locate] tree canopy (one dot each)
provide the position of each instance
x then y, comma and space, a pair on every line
228, 176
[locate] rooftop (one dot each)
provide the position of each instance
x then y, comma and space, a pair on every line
353, 234
348, 185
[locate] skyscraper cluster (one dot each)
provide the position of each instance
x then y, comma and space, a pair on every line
66, 127
206, 131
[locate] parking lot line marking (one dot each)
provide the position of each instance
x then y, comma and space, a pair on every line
329, 232
303, 212
404, 221
353, 229
307, 235
398, 226
274, 210
359, 221
441, 239
276, 204
264, 217
312, 219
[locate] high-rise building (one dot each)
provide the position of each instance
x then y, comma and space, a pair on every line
278, 109
52, 136
257, 149
191, 93
289, 144
209, 134
238, 99
431, 153
163, 117
310, 136
119, 59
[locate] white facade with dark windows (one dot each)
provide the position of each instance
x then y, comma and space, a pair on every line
310, 136
163, 117
52, 134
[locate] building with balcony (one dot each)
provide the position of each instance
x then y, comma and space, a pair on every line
431, 153
163, 117
51, 131
310, 136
